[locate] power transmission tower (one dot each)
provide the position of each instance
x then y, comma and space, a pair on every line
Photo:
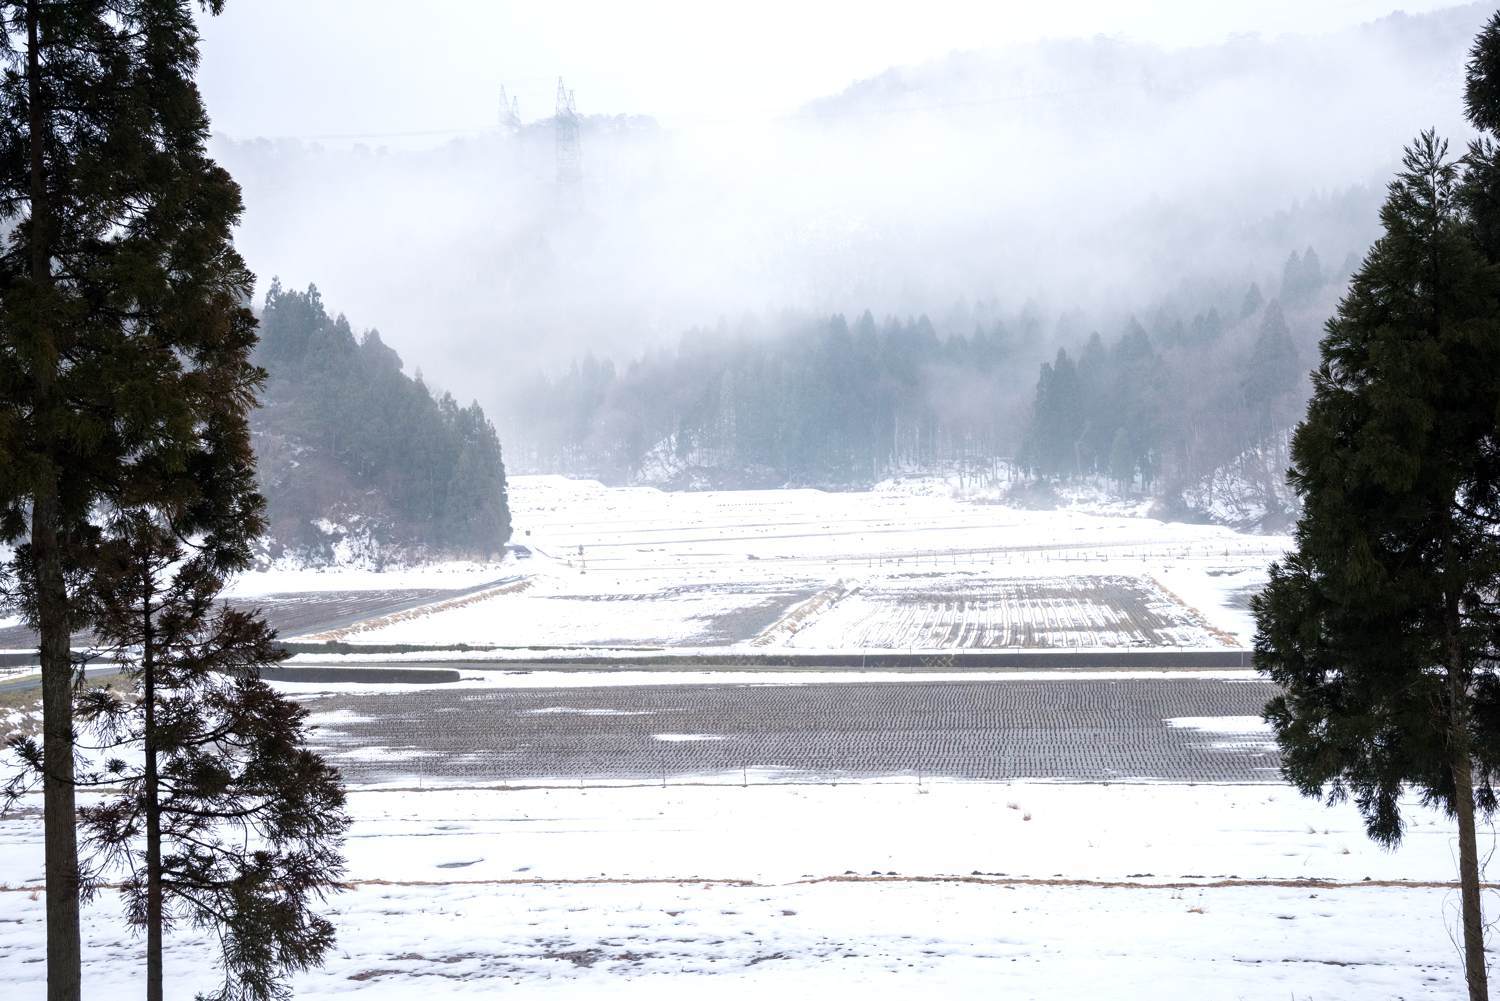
569, 160
510, 113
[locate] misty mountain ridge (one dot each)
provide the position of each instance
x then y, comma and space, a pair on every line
1110, 73
1043, 206
964, 179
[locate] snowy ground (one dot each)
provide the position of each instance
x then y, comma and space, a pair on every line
905, 567
742, 884
434, 576
977, 890
597, 880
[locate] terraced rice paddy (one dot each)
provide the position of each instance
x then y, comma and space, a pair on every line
614, 567
972, 610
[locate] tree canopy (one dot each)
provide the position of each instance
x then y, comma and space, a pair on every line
346, 434
124, 334
1381, 626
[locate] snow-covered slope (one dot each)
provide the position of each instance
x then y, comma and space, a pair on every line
1249, 493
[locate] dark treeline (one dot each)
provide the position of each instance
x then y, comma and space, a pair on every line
345, 438
1168, 406
1160, 408
819, 403
1165, 401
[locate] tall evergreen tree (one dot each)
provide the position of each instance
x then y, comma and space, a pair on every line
121, 323
1291, 277
1312, 271
1052, 438
1301, 277
1381, 625
229, 821
1122, 459
1272, 370
1252, 302
1481, 188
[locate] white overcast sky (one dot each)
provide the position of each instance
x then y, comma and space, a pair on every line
313, 68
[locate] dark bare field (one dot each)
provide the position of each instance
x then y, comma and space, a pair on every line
1063, 729
720, 627
299, 614
294, 615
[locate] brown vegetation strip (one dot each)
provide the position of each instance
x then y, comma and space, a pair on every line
1213, 630
1179, 884
1087, 884
791, 622
1090, 884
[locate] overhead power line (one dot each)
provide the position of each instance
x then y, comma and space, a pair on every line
691, 123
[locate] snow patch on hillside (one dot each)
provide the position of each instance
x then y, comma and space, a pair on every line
1007, 485
674, 466
347, 541
1249, 492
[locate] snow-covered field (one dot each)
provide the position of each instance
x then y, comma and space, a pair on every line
905, 567
977, 610
342, 578
742, 884
1019, 890
746, 884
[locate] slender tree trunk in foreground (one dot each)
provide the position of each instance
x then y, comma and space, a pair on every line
153, 811
1468, 863
59, 814
63, 954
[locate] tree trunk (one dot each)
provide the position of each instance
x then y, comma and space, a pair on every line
58, 810
59, 813
1468, 852
153, 810
1468, 873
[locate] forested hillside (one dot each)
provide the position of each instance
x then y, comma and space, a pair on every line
819, 402
1159, 405
1175, 402
358, 460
